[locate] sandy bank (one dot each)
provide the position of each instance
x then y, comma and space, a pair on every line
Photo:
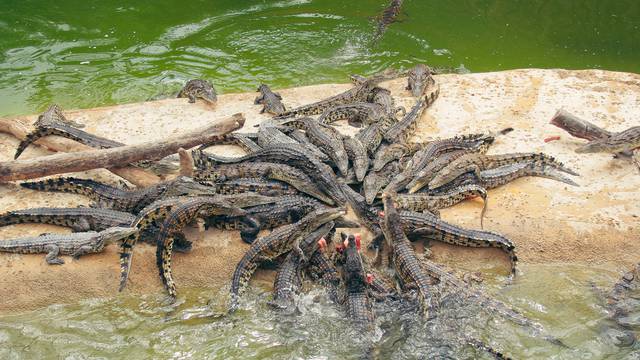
548, 221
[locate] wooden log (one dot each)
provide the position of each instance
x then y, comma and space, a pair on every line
186, 162
577, 127
108, 158
19, 129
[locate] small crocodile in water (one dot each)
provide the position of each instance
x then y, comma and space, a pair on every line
79, 219
476, 163
54, 115
211, 171
419, 79
199, 89
289, 276
407, 266
155, 213
117, 199
76, 244
388, 16
271, 101
279, 241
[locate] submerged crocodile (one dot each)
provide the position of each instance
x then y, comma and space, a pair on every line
75, 244
271, 101
407, 266
289, 276
117, 199
281, 240
79, 219
199, 89
388, 16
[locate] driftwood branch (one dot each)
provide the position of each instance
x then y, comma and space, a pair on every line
108, 158
19, 128
578, 127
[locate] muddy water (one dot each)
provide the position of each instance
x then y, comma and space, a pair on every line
560, 297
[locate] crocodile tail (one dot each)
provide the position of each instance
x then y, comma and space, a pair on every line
69, 185
240, 280
163, 260
126, 254
30, 138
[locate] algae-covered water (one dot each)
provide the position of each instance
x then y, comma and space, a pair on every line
93, 53
89, 53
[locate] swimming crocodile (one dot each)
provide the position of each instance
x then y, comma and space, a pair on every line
199, 89
75, 244
272, 102
388, 16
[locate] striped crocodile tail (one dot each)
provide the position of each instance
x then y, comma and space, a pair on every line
126, 255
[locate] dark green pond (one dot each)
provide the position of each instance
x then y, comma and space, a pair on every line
92, 53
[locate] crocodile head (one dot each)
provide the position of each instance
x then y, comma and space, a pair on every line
200, 89
354, 274
114, 234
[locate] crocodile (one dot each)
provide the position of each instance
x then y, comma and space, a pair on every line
375, 181
243, 140
419, 79
358, 156
426, 224
289, 276
409, 272
477, 162
272, 102
278, 242
321, 268
357, 284
211, 171
296, 156
394, 151
117, 199
358, 93
78, 219
432, 150
624, 141
284, 210
405, 128
155, 213
372, 135
199, 89
356, 114
176, 219
76, 244
54, 115
255, 185
388, 16
492, 178
382, 97
303, 139
326, 138
421, 202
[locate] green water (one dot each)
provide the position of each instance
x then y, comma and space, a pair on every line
91, 53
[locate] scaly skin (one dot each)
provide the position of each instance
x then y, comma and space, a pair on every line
624, 141
284, 210
358, 93
419, 79
372, 135
280, 241
298, 157
407, 266
325, 138
156, 212
323, 269
421, 202
302, 139
406, 127
199, 89
79, 219
432, 150
76, 244
358, 156
476, 163
254, 185
179, 217
383, 98
437, 229
393, 152
424, 176
355, 279
222, 172
388, 16
289, 276
54, 115
123, 200
356, 114
271, 101
375, 181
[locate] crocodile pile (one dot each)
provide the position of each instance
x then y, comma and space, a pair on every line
298, 178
